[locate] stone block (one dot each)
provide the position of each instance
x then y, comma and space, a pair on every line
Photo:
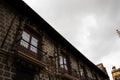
1, 66
7, 68
1, 78
7, 74
4, 61
7, 79
1, 72
13, 70
12, 76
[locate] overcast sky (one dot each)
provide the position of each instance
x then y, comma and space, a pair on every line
90, 25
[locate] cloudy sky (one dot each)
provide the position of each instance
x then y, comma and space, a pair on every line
90, 25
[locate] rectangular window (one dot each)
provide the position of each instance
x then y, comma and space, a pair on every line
63, 62
82, 72
29, 42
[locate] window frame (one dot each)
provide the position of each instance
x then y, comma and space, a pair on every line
82, 71
29, 42
37, 36
63, 63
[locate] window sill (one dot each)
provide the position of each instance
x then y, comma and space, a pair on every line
32, 59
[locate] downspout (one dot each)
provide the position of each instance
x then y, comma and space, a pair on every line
17, 36
8, 31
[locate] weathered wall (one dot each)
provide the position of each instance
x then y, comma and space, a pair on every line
7, 70
7, 19
74, 62
48, 45
116, 73
89, 72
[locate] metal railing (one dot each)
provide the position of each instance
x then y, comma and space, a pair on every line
40, 55
73, 72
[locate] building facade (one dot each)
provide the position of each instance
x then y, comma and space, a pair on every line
101, 66
30, 49
115, 73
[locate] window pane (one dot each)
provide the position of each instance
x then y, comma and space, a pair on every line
66, 67
61, 65
34, 42
64, 60
81, 72
25, 36
34, 49
61, 60
24, 44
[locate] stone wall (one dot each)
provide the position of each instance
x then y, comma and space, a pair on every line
7, 18
89, 72
48, 45
74, 63
7, 72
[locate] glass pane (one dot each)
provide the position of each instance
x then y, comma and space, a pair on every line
34, 49
34, 42
65, 60
24, 44
66, 67
81, 72
61, 65
61, 60
25, 36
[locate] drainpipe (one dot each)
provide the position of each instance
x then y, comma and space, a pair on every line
8, 31
16, 39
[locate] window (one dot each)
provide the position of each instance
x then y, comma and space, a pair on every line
63, 62
82, 72
29, 42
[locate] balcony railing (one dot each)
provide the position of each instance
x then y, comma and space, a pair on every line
73, 75
37, 56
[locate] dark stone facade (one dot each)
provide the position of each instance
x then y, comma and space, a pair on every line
56, 59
